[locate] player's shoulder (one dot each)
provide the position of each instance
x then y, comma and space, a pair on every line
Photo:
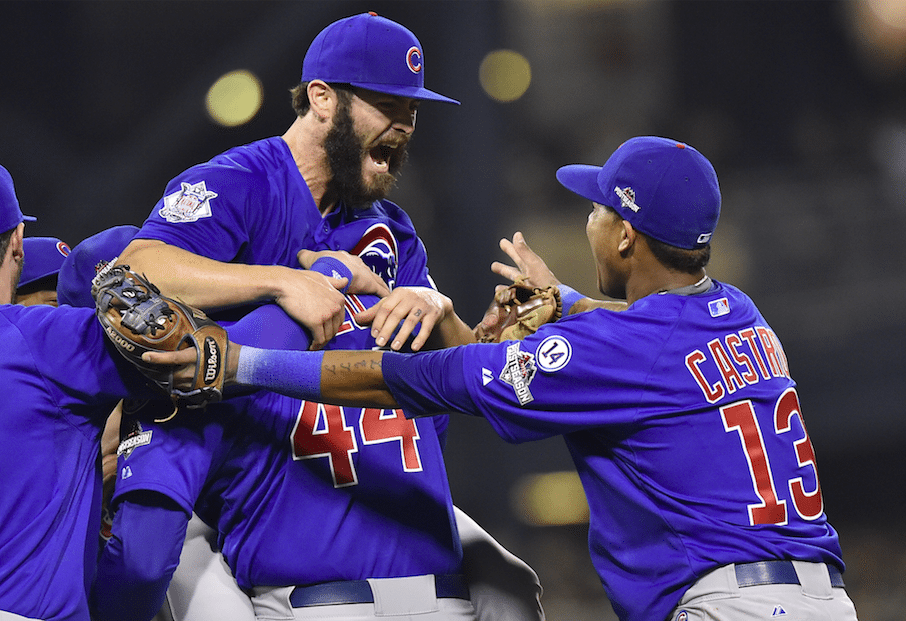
254, 156
41, 326
239, 164
42, 314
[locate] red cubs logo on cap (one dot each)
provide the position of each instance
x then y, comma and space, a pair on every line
414, 59
63, 248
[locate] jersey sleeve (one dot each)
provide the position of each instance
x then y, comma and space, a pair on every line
529, 390
207, 210
171, 458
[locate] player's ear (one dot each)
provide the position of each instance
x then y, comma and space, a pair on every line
322, 99
16, 246
628, 237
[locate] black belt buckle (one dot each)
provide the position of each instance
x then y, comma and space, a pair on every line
777, 572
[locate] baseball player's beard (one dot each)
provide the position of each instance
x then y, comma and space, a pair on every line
346, 153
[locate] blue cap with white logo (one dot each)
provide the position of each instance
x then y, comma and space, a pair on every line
664, 188
370, 52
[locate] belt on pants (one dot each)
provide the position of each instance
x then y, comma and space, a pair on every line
777, 572
359, 592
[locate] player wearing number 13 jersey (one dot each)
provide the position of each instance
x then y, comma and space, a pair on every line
680, 413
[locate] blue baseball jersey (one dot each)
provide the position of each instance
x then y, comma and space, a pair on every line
251, 205
60, 382
302, 492
684, 425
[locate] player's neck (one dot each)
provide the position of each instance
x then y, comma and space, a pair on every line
306, 143
663, 280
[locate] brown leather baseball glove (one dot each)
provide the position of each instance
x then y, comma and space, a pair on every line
522, 310
137, 318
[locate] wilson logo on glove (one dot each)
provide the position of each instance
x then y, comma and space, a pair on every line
212, 363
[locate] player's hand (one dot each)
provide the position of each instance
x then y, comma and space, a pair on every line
529, 266
183, 363
364, 280
411, 307
315, 301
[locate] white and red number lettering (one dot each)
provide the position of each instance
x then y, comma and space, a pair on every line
740, 417
321, 431
389, 425
809, 506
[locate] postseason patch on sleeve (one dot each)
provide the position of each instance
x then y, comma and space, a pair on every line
188, 204
519, 372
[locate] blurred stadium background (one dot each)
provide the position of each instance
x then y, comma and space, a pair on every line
801, 106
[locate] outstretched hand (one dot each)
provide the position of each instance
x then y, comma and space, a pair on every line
530, 267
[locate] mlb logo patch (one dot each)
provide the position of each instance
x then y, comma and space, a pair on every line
188, 204
719, 307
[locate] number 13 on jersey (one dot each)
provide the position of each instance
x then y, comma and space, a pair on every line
740, 417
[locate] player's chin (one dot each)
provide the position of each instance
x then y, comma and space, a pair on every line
378, 182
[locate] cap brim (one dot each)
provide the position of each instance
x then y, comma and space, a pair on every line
583, 180
44, 273
414, 92
29, 218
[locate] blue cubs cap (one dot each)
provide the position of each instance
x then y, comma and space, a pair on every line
84, 261
10, 214
44, 257
371, 52
664, 188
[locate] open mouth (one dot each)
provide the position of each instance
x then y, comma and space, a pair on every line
382, 156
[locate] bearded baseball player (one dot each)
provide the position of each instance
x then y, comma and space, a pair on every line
234, 225
648, 400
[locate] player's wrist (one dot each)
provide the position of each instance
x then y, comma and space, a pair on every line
295, 373
568, 297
